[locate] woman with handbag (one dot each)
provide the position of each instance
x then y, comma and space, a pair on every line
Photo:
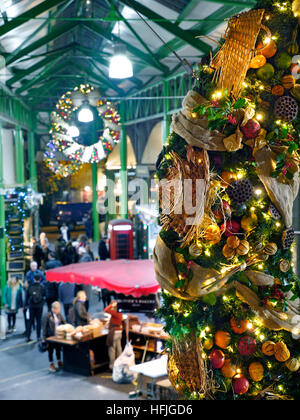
13, 301
52, 321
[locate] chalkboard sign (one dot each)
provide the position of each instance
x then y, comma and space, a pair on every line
15, 255
18, 265
14, 230
16, 241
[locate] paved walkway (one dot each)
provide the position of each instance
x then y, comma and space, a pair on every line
24, 374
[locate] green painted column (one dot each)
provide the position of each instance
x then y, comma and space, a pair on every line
32, 163
95, 199
19, 156
123, 159
2, 222
166, 120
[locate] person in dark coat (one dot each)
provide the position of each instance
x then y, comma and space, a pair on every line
52, 321
51, 288
82, 317
35, 299
37, 252
66, 294
103, 251
69, 254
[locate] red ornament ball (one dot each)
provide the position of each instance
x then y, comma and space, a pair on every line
217, 359
232, 227
251, 129
240, 385
247, 346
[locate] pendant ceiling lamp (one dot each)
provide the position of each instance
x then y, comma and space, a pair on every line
120, 65
85, 114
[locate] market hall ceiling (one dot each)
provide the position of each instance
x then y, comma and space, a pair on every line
51, 46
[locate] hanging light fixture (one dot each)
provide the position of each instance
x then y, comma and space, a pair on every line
85, 114
120, 65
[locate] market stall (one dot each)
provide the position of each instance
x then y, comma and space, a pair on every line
85, 351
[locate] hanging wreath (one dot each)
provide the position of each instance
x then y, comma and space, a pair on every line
94, 141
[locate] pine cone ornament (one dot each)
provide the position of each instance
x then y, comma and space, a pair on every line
274, 213
288, 237
240, 192
286, 108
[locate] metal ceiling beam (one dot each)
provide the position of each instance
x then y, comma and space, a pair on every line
29, 14
168, 26
32, 69
45, 73
54, 34
41, 27
203, 28
94, 27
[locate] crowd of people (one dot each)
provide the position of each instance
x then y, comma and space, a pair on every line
31, 295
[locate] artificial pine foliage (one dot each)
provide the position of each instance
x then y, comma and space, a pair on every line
213, 292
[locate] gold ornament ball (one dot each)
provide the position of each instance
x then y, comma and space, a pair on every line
271, 248
195, 250
213, 234
243, 247
228, 252
293, 364
282, 353
268, 348
284, 266
208, 344
256, 371
233, 242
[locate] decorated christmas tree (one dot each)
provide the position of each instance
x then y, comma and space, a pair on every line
231, 296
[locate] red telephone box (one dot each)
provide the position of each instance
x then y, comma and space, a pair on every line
120, 234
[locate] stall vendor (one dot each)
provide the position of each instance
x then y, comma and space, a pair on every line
82, 317
115, 329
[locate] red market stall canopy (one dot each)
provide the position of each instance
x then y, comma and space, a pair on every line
130, 277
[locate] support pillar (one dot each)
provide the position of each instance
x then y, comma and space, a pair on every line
95, 200
33, 177
19, 156
123, 159
2, 223
166, 119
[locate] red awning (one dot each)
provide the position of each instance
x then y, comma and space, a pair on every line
130, 277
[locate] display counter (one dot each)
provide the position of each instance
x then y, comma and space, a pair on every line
86, 356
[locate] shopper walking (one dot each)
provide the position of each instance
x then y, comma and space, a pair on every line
13, 301
34, 270
52, 321
66, 294
65, 233
115, 329
82, 317
103, 251
51, 288
69, 255
37, 251
35, 302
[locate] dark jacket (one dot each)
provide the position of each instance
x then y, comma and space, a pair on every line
30, 276
33, 290
82, 317
66, 293
102, 251
50, 287
49, 324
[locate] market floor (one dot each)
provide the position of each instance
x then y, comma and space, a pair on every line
24, 375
